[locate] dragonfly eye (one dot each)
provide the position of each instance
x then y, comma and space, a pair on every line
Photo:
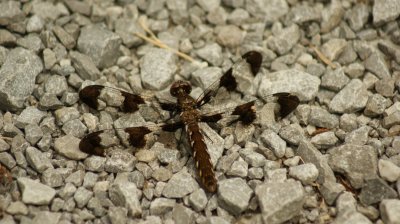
180, 86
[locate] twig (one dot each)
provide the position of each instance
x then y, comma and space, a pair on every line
322, 57
157, 42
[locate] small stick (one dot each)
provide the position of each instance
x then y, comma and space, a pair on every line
322, 57
157, 42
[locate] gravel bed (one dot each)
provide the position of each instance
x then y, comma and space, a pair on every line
336, 159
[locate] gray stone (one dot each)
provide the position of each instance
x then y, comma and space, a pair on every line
46, 217
17, 208
390, 49
38, 160
8, 219
355, 162
212, 53
7, 39
68, 146
283, 41
230, 36
331, 16
279, 202
256, 173
90, 179
331, 190
239, 168
349, 55
333, 48
303, 13
351, 98
4, 146
358, 16
17, 77
253, 158
3, 54
56, 85
388, 170
100, 44
322, 118
162, 174
50, 101
65, 38
126, 195
76, 178
66, 114
75, 128
79, 7
310, 154
46, 10
10, 12
385, 87
66, 69
358, 136
354, 70
376, 105
95, 205
49, 58
385, 10
137, 178
118, 214
238, 16
391, 120
217, 220
375, 190
145, 155
53, 178
157, 68
272, 140
348, 122
376, 64
125, 27
234, 195
182, 214
315, 69
120, 161
35, 24
269, 11
294, 161
218, 17
204, 77
307, 173
8, 160
84, 66
70, 98
31, 42
167, 156
67, 191
226, 161
390, 210
198, 200
352, 217
34, 192
334, 80
180, 185
208, 5
33, 133
276, 175
161, 206
292, 133
82, 196
324, 140
302, 84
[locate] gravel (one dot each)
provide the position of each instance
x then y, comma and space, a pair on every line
341, 58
